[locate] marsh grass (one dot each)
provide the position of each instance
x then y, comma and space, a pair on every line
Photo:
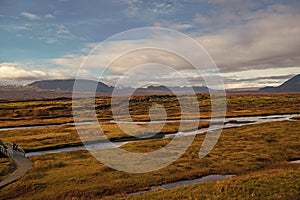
59, 111
282, 182
33, 139
257, 153
39, 138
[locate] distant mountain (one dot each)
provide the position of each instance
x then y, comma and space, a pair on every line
291, 85
88, 85
162, 89
67, 85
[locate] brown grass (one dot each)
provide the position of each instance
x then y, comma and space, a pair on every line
282, 182
256, 152
59, 136
17, 113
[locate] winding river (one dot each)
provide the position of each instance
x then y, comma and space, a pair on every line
231, 122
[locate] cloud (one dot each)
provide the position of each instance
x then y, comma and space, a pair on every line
26, 26
17, 73
140, 52
63, 32
9, 16
270, 39
30, 16
117, 58
70, 61
55, 33
259, 77
49, 16
10, 71
33, 17
136, 7
246, 36
175, 26
202, 20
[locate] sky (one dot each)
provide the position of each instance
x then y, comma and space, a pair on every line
253, 43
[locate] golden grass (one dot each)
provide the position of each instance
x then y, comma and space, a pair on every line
17, 113
254, 152
282, 182
53, 137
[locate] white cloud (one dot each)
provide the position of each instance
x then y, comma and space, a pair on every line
175, 26
33, 16
63, 32
136, 7
30, 16
9, 16
69, 61
49, 16
24, 27
17, 73
10, 71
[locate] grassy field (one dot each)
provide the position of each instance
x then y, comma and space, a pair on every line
54, 137
20, 113
258, 154
282, 182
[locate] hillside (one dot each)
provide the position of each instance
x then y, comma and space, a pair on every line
291, 85
67, 85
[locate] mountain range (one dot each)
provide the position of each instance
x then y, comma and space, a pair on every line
291, 85
49, 89
89, 86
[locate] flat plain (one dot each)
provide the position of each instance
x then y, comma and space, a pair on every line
259, 155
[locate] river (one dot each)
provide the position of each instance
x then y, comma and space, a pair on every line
231, 122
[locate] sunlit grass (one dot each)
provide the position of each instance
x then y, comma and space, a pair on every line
282, 182
17, 113
256, 153
54, 137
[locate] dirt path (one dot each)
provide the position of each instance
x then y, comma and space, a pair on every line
23, 165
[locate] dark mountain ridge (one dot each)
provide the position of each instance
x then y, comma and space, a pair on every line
291, 85
67, 85
88, 86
